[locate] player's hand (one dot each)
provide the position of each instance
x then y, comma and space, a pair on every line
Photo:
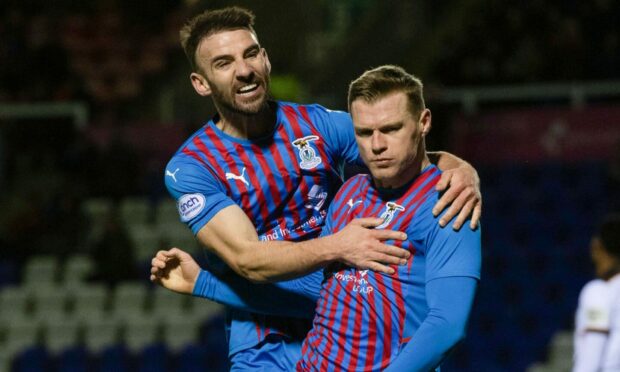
462, 193
175, 269
362, 247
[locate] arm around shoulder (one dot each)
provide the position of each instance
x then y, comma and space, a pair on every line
231, 235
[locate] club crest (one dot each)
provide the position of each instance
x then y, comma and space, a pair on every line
307, 154
388, 214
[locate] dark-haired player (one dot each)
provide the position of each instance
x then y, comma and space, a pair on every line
597, 323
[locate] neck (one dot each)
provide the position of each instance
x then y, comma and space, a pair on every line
407, 174
610, 271
247, 126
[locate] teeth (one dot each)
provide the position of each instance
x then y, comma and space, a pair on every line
248, 88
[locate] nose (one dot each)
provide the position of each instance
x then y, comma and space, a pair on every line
378, 143
244, 71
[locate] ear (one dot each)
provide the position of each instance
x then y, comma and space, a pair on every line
425, 121
267, 62
200, 84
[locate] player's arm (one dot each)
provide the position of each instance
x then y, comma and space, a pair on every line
176, 270
224, 229
452, 271
461, 186
450, 300
593, 318
231, 235
590, 350
294, 298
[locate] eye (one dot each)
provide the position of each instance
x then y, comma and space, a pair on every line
253, 53
221, 64
363, 133
391, 129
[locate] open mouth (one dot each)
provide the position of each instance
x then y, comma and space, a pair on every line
247, 88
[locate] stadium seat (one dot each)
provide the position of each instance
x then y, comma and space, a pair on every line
560, 346
50, 303
194, 358
179, 331
100, 333
60, 334
40, 271
203, 310
129, 300
18, 300
176, 234
146, 240
32, 359
76, 270
114, 358
166, 303
140, 332
5, 359
154, 358
21, 334
167, 212
135, 210
89, 301
97, 209
72, 359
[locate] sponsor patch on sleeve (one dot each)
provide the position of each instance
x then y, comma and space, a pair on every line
190, 205
597, 318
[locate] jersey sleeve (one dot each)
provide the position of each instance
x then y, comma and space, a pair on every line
337, 128
449, 252
592, 326
594, 310
198, 193
296, 298
450, 301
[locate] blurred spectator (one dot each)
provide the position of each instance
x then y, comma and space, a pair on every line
598, 314
113, 253
65, 225
119, 168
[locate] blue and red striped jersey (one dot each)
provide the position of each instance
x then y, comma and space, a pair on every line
284, 182
364, 318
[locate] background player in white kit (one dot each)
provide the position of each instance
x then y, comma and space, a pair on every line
597, 323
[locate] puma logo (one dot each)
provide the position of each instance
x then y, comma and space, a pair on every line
172, 174
232, 176
351, 203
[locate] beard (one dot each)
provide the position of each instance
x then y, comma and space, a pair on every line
228, 103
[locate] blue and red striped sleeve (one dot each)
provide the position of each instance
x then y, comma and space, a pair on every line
198, 192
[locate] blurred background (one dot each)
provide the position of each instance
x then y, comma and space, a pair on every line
95, 98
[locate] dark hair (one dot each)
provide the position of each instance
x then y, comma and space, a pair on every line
609, 233
210, 22
383, 80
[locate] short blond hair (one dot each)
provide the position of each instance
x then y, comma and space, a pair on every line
381, 81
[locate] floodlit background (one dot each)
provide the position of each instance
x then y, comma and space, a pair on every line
95, 97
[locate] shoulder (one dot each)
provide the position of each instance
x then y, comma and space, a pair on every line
424, 196
186, 174
314, 113
351, 188
358, 181
594, 292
